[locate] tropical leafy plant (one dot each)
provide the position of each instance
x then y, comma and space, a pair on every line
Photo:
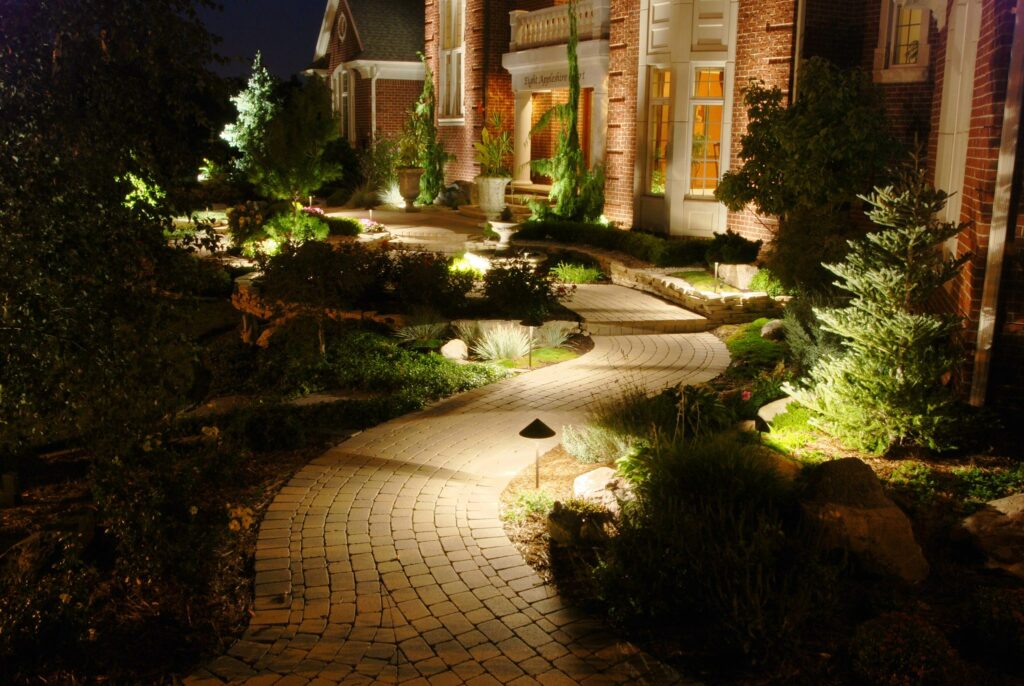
577, 193
494, 149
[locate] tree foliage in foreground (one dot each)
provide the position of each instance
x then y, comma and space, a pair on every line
807, 164
93, 93
888, 385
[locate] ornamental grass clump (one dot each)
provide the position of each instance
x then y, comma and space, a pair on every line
502, 342
888, 385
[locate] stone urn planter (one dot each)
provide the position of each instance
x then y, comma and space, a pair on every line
504, 231
491, 191
409, 185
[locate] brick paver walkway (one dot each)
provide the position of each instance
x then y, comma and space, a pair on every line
384, 561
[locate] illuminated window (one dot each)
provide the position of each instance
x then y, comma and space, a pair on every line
451, 55
660, 129
902, 52
340, 102
708, 106
906, 36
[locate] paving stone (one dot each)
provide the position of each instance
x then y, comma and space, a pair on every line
392, 538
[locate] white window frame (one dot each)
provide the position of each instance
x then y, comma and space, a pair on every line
692, 103
652, 102
341, 103
451, 105
884, 70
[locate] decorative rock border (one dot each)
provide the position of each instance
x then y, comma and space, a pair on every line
718, 308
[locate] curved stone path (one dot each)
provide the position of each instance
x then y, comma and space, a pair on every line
384, 560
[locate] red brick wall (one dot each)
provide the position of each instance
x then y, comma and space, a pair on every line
488, 87
1007, 374
764, 48
394, 100
361, 93
623, 68
338, 51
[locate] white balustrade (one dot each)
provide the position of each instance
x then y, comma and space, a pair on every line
550, 26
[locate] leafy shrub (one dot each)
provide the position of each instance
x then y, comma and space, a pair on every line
324, 276
296, 227
660, 251
732, 248
502, 342
427, 279
808, 342
245, 223
710, 542
45, 618
552, 334
158, 505
343, 226
529, 503
593, 444
899, 649
514, 287
994, 625
567, 272
183, 272
765, 281
365, 197
378, 163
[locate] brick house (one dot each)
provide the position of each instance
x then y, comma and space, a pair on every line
367, 51
662, 86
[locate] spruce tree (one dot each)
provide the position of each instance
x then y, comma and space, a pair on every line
256, 107
888, 384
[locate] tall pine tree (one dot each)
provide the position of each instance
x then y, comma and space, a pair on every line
888, 384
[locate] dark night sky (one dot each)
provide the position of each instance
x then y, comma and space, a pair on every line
285, 31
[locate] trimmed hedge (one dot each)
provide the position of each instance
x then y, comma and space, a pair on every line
343, 226
663, 252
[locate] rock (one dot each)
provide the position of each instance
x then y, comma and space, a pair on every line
847, 503
997, 529
455, 349
746, 426
568, 525
602, 486
772, 410
774, 330
737, 275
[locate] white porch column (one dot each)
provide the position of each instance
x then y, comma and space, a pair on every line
521, 137
599, 123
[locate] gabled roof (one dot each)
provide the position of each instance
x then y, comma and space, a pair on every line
388, 30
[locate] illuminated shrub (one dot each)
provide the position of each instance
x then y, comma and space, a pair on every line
515, 288
424, 279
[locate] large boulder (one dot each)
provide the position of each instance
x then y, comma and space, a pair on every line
997, 529
774, 330
846, 502
455, 350
603, 487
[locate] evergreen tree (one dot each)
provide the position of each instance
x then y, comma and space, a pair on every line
432, 155
888, 384
289, 161
256, 106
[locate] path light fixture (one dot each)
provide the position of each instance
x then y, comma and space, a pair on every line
537, 430
532, 322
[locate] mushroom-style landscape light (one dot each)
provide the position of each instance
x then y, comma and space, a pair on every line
537, 430
532, 322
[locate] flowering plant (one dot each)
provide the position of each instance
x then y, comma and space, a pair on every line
371, 226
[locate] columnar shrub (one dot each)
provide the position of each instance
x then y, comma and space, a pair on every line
888, 385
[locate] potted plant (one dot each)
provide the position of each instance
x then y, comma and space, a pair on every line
493, 151
409, 169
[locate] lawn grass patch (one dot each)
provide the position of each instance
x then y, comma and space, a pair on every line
750, 352
698, 278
